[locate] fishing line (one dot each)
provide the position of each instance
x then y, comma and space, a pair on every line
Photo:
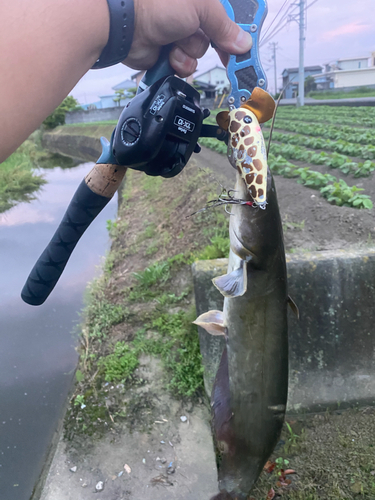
274, 19
274, 114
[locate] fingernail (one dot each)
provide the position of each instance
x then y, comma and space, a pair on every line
179, 55
244, 40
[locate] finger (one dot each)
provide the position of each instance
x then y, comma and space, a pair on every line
224, 56
195, 45
182, 63
226, 34
142, 57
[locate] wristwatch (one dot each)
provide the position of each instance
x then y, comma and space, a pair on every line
121, 13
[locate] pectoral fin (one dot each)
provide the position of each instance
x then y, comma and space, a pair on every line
293, 306
233, 284
212, 322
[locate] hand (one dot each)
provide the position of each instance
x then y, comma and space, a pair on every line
190, 25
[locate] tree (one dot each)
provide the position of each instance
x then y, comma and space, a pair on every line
310, 84
58, 116
120, 95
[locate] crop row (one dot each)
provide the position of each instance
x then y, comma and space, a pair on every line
331, 132
321, 111
332, 160
330, 110
335, 191
340, 146
363, 122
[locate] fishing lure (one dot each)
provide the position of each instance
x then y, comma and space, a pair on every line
246, 147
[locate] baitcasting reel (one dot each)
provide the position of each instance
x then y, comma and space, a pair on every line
158, 130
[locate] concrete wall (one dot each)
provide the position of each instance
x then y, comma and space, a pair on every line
72, 142
358, 77
94, 115
332, 346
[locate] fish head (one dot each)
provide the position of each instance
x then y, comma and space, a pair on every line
255, 234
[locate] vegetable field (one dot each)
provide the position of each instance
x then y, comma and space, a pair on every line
330, 149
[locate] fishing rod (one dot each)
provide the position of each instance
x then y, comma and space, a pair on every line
157, 133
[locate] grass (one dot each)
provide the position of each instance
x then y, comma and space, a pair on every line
18, 178
92, 124
361, 92
142, 305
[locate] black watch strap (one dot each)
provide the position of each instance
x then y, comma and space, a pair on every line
121, 13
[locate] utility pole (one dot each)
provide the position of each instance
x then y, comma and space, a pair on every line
301, 82
273, 46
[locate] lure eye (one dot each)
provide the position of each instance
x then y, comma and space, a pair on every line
247, 119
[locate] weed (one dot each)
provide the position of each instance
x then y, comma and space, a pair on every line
150, 231
180, 352
281, 465
79, 400
101, 315
171, 298
152, 250
157, 273
111, 226
293, 441
119, 365
299, 226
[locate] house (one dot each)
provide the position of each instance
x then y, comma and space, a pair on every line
291, 79
347, 74
207, 90
106, 101
125, 85
217, 77
137, 77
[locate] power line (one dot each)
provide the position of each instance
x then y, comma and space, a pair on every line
276, 29
292, 17
274, 19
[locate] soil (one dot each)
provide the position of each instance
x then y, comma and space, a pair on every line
310, 222
322, 450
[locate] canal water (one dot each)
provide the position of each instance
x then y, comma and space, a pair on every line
37, 348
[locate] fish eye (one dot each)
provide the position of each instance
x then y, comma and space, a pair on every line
247, 119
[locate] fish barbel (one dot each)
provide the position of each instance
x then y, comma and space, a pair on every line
249, 396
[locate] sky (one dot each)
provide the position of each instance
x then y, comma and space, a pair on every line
336, 29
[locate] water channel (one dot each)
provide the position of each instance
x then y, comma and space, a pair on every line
37, 349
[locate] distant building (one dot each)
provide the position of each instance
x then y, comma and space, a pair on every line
125, 85
347, 73
217, 77
207, 90
137, 77
291, 79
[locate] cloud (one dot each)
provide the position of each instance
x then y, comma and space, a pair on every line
346, 29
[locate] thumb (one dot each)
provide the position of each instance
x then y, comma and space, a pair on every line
222, 31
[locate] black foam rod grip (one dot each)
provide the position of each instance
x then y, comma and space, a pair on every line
82, 210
